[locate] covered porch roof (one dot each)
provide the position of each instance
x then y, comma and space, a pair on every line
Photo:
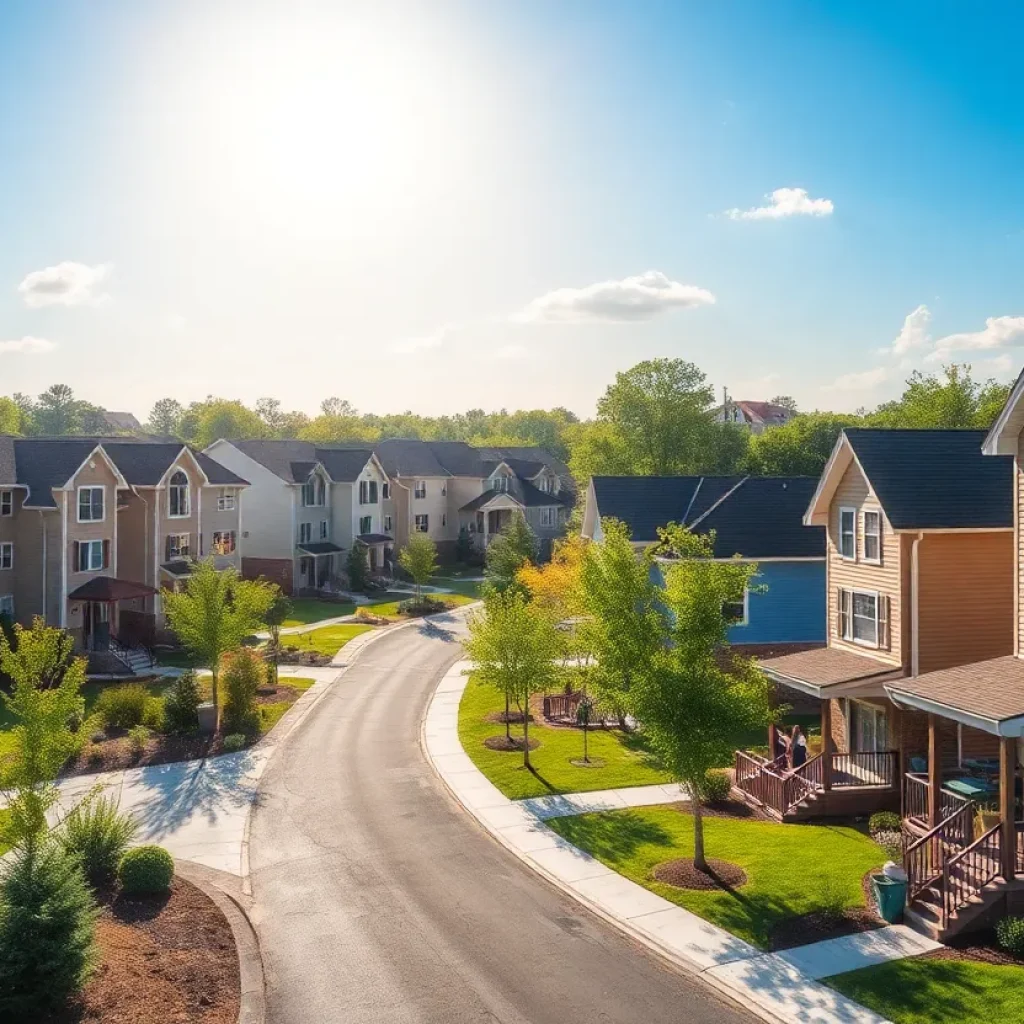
179, 569
831, 672
987, 695
323, 547
107, 590
375, 538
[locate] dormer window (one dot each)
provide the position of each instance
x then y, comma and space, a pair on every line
313, 491
500, 483
90, 504
178, 496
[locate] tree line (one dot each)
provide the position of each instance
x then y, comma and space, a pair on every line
656, 418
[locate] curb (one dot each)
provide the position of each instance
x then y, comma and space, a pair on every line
252, 1006
749, 981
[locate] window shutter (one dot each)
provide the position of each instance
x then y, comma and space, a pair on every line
106, 554
883, 621
77, 556
167, 549
840, 615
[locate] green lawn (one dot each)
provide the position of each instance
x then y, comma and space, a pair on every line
271, 714
468, 588
627, 762
786, 865
389, 609
327, 639
3, 846
309, 609
920, 991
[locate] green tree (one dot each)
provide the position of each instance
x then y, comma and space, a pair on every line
357, 568
215, 612
419, 559
597, 448
622, 625
279, 610
692, 705
56, 411
218, 417
515, 647
165, 418
801, 447
10, 416
954, 399
785, 402
44, 700
339, 430
507, 553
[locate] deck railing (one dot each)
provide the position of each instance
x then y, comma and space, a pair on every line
923, 859
775, 789
966, 872
866, 768
915, 799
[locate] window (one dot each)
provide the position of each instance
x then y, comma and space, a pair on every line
90, 556
90, 504
6, 503
178, 547
305, 533
313, 491
6, 555
385, 491
387, 524
863, 617
547, 517
7, 605
365, 524
324, 529
223, 542
737, 613
444, 518
873, 537
177, 496
500, 483
420, 491
422, 524
225, 501
848, 533
367, 492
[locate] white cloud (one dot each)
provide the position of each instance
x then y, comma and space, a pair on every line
642, 297
859, 381
27, 346
423, 342
510, 352
914, 334
756, 387
785, 202
999, 364
998, 332
66, 284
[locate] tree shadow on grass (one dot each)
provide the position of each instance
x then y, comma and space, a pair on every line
613, 837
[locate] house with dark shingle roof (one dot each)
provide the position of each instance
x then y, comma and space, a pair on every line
754, 518
93, 529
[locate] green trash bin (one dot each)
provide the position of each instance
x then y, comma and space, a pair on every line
890, 895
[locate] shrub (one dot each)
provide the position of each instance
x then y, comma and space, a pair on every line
830, 899
1010, 934
717, 785
884, 821
242, 676
181, 704
137, 737
98, 833
122, 707
422, 606
153, 717
234, 742
47, 928
357, 568
146, 871
98, 736
891, 843
93, 756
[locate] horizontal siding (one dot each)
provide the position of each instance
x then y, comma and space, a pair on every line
966, 598
854, 491
1019, 535
791, 607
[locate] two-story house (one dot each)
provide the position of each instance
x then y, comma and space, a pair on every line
306, 507
91, 530
757, 519
441, 488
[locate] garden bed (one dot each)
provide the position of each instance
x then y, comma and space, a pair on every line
163, 960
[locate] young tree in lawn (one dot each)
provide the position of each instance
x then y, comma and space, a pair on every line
692, 701
357, 568
45, 698
215, 612
514, 547
419, 559
622, 626
515, 647
277, 613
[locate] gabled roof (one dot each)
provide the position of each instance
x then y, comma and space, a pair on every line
924, 479
409, 457
520, 491
344, 465
144, 464
293, 461
1002, 438
764, 412
754, 517
8, 467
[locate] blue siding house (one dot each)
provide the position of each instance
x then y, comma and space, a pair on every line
755, 518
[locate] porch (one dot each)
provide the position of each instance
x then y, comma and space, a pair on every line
112, 626
317, 568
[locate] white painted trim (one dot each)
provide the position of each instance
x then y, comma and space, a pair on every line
99, 449
725, 497
913, 531
64, 560
42, 527
9, 492
839, 547
996, 726
187, 514
864, 513
996, 443
199, 521
841, 442
157, 600
853, 591
915, 607
78, 502
736, 558
9, 544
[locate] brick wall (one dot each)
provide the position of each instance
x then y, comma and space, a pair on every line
839, 725
276, 570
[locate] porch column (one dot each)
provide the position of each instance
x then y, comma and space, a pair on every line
934, 771
773, 741
827, 744
1008, 804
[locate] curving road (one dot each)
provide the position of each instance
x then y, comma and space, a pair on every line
378, 899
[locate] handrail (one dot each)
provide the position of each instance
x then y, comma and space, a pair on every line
865, 768
979, 864
923, 859
776, 789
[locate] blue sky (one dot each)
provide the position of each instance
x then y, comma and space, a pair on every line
455, 204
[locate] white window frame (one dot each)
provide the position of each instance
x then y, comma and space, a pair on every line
425, 528
305, 533
852, 512
385, 491
324, 529
6, 503
368, 519
420, 489
7, 605
547, 517
314, 488
188, 545
89, 546
226, 501
877, 535
183, 491
103, 501
387, 524
849, 632
6, 555
745, 621
223, 535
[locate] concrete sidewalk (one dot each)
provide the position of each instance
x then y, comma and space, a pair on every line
781, 987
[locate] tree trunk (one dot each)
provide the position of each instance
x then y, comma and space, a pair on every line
216, 702
586, 756
508, 715
526, 734
277, 655
699, 860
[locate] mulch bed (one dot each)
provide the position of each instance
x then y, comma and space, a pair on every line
116, 752
163, 961
979, 946
683, 874
504, 743
303, 656
814, 927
